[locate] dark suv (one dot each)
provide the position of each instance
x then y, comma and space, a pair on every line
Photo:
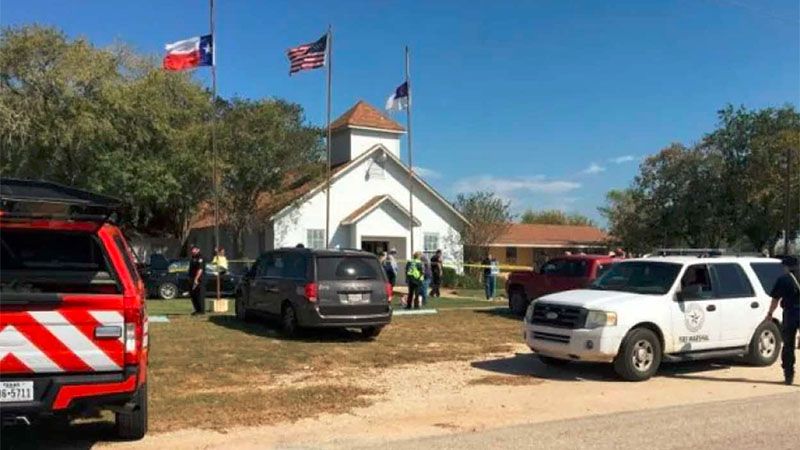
317, 288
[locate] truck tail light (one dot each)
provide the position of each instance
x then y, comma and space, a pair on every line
135, 317
311, 292
389, 292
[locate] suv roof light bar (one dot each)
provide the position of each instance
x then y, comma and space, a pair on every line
35, 199
699, 252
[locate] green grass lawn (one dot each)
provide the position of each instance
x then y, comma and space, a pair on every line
179, 306
183, 306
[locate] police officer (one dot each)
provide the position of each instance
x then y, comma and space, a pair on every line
787, 291
414, 277
197, 281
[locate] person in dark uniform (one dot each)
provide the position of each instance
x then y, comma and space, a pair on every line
787, 291
197, 280
436, 269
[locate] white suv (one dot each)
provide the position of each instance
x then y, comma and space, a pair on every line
644, 311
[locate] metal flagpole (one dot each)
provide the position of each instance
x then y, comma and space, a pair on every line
215, 170
786, 215
329, 63
410, 160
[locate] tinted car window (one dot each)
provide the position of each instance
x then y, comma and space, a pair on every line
275, 265
158, 262
641, 277
603, 268
767, 273
295, 266
332, 268
731, 281
566, 267
127, 256
31, 259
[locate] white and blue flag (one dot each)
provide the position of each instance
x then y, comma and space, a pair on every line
398, 101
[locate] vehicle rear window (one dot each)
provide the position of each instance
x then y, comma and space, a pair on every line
54, 261
333, 268
767, 273
731, 281
566, 267
127, 256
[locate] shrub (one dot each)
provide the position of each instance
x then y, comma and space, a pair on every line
469, 280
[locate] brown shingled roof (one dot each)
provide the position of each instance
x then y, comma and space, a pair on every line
519, 234
365, 115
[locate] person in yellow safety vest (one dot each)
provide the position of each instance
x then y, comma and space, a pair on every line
414, 277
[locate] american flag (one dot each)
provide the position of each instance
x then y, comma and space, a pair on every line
308, 56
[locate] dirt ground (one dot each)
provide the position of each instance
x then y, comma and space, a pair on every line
501, 389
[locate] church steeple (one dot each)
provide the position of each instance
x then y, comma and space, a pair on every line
359, 129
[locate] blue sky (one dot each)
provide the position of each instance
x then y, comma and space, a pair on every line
548, 103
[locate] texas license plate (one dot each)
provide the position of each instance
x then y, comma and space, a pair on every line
16, 391
357, 298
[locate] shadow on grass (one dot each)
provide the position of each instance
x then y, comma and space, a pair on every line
269, 328
501, 311
48, 434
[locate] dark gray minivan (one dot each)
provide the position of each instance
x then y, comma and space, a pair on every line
317, 288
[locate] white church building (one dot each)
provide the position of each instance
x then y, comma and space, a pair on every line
369, 200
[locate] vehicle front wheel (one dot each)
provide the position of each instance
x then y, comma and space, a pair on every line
167, 291
517, 302
639, 356
133, 425
371, 332
765, 345
555, 362
289, 321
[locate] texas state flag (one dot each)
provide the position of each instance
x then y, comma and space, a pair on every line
190, 53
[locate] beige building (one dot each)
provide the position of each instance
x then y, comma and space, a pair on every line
530, 245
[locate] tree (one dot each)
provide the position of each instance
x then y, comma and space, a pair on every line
627, 221
731, 190
555, 217
754, 148
108, 120
489, 217
262, 142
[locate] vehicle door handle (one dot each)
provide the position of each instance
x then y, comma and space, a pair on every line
107, 332
754, 305
711, 308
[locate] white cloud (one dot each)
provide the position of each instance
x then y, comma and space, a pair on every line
593, 168
509, 188
622, 159
424, 172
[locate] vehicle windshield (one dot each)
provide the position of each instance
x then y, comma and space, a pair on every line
641, 277
333, 268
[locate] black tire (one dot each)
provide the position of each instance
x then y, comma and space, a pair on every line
289, 325
518, 302
371, 332
555, 362
242, 313
765, 345
167, 291
639, 356
132, 426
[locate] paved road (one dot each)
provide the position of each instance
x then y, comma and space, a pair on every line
770, 422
